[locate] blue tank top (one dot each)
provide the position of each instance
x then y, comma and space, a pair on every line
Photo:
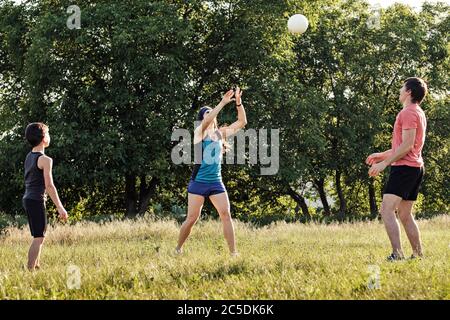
209, 170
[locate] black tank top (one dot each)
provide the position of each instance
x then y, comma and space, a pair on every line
34, 178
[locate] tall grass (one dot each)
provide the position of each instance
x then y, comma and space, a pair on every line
133, 259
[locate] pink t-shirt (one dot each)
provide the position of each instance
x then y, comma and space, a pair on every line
411, 117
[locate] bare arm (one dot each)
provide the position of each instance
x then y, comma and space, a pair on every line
46, 164
408, 139
378, 157
242, 117
209, 118
386, 154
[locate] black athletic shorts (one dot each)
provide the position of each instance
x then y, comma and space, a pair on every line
37, 217
405, 181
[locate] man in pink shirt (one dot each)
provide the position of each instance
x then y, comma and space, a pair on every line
407, 169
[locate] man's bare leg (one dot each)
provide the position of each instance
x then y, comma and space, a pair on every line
388, 206
411, 227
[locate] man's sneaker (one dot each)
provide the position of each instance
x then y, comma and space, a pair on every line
394, 257
177, 251
414, 257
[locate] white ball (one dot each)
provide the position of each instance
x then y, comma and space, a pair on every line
297, 23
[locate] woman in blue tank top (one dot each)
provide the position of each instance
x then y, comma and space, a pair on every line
206, 180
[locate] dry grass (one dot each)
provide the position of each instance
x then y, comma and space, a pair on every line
134, 260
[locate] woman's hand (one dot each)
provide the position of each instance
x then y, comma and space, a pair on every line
238, 95
227, 98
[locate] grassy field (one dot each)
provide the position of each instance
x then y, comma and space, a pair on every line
134, 260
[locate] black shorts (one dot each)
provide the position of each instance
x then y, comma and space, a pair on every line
405, 181
37, 217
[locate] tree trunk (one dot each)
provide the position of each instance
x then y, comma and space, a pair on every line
372, 200
146, 193
300, 200
130, 195
342, 203
320, 186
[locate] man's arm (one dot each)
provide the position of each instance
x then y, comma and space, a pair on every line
408, 139
378, 157
386, 154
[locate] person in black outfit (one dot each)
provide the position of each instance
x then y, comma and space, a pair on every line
38, 183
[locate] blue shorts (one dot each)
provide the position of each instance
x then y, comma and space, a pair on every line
206, 189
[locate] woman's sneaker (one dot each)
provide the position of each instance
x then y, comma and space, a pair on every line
394, 257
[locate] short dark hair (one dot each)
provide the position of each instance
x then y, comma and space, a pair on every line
418, 88
35, 132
